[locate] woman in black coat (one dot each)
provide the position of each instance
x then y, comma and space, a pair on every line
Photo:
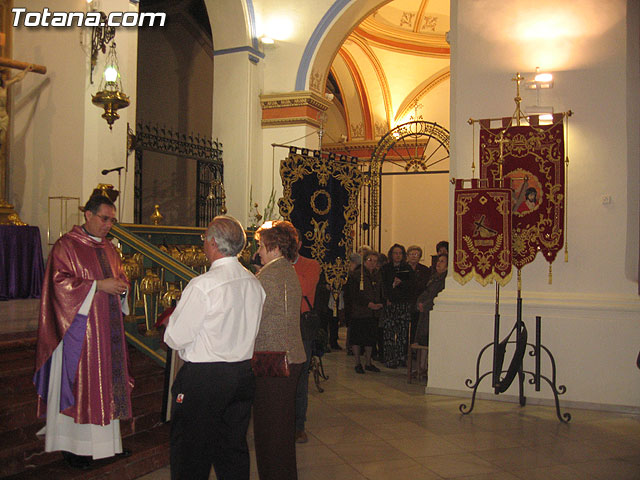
398, 283
366, 307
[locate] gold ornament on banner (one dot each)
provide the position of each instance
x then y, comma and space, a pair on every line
299, 166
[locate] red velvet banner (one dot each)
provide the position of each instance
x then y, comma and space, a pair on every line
482, 234
533, 160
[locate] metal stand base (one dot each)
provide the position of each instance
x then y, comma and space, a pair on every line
536, 376
317, 368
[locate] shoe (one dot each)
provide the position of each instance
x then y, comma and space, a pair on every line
359, 369
372, 368
301, 437
336, 347
124, 454
390, 365
350, 352
81, 462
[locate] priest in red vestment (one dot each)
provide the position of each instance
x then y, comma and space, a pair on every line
82, 373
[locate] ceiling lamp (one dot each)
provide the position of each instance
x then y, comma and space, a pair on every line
110, 97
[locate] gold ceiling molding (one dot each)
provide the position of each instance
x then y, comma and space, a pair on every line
403, 41
420, 14
294, 99
349, 146
382, 78
420, 92
341, 105
315, 81
363, 96
294, 108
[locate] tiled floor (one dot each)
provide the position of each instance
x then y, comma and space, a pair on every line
378, 427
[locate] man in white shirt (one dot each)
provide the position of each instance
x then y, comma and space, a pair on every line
214, 327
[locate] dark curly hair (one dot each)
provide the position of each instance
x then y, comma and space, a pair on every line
281, 234
401, 247
93, 204
442, 243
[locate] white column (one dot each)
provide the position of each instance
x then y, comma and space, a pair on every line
236, 123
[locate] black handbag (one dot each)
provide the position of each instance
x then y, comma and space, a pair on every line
309, 323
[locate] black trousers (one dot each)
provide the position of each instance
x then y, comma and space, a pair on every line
333, 329
210, 417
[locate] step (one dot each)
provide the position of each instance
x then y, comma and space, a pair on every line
150, 451
19, 408
22, 453
18, 446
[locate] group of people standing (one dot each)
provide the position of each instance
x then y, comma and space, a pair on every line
230, 310
223, 317
387, 303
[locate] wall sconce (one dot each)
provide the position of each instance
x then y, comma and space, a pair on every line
266, 40
545, 114
110, 97
541, 81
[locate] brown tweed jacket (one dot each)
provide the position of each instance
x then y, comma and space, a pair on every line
280, 324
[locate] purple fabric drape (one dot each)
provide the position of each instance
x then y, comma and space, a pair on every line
73, 342
21, 265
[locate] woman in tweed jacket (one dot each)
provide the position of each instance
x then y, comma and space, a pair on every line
274, 403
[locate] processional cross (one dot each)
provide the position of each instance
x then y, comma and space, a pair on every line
8, 216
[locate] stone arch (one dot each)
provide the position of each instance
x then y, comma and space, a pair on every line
325, 41
233, 27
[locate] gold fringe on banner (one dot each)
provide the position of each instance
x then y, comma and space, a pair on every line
566, 188
473, 152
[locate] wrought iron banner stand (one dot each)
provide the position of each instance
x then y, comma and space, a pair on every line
501, 384
517, 364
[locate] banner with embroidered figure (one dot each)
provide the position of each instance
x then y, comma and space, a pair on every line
482, 233
532, 158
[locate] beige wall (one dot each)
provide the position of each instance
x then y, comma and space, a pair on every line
59, 142
415, 208
590, 312
415, 211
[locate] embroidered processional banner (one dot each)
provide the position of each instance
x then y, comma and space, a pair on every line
533, 161
320, 198
482, 233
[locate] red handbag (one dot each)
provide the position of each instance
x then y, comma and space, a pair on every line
270, 364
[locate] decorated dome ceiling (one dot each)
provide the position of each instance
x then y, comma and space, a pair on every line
394, 66
428, 17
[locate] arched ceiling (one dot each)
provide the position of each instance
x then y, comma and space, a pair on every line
397, 57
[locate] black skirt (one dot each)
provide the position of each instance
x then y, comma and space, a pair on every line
364, 331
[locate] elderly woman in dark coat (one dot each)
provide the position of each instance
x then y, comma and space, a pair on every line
422, 274
366, 308
274, 403
424, 305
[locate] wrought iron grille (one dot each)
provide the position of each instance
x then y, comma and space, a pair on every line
206, 151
